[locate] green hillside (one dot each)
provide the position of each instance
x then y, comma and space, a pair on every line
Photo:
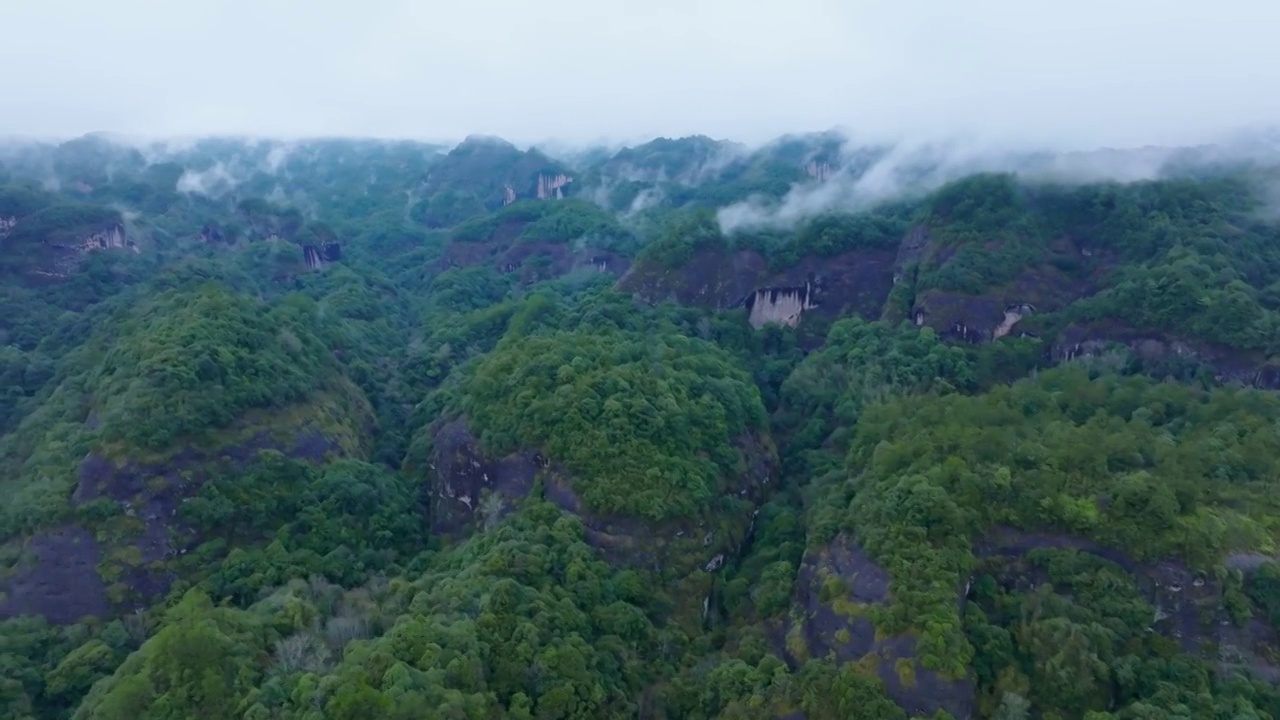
356, 429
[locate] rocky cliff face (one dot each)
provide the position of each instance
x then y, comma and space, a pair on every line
107, 238
859, 283
1163, 355
551, 187
470, 491
1188, 606
58, 259
711, 279
854, 283
532, 261
820, 171
782, 306
318, 257
992, 314
971, 319
837, 589
1012, 316
74, 571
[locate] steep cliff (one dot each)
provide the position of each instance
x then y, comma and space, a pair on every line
112, 565
782, 306
551, 187
1188, 606
838, 592
672, 497
541, 241
318, 257
1165, 354
127, 434
483, 174
819, 170
46, 237
125, 536
855, 283
471, 490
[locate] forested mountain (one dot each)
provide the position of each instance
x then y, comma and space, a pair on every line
365, 429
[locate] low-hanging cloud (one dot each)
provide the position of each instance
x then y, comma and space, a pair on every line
910, 169
215, 181
896, 171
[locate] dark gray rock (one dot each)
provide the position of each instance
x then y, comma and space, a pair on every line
57, 577
852, 637
464, 476
1188, 604
468, 489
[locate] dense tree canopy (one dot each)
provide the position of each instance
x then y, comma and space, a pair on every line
649, 426
222, 468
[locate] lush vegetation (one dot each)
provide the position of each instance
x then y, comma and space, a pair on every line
219, 487
649, 426
1077, 645
1155, 470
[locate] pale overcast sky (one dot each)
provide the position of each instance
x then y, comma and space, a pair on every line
1079, 72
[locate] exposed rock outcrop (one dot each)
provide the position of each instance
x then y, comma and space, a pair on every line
972, 318
67, 573
508, 195
999, 310
533, 261
464, 478
317, 257
782, 306
57, 577
105, 239
1012, 316
58, 258
551, 187
854, 283
1189, 606
710, 279
820, 171
836, 589
7, 224
913, 248
1164, 355
469, 490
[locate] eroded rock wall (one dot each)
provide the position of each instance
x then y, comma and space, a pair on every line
469, 490
837, 622
781, 306
1188, 606
551, 187
60, 572
854, 283
820, 171
1163, 355
317, 257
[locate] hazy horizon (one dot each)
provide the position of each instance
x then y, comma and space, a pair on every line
1078, 76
